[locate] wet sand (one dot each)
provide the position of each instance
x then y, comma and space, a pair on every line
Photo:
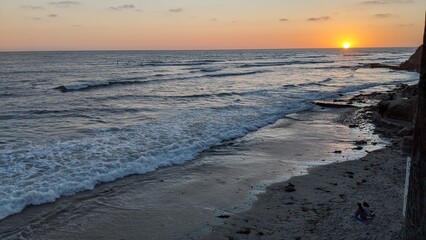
324, 201
188, 201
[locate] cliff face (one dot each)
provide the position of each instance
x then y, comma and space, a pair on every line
413, 63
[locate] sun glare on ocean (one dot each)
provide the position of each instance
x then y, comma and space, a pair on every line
346, 45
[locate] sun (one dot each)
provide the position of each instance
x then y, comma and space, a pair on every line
346, 45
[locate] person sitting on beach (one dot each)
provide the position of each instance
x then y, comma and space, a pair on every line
370, 213
360, 213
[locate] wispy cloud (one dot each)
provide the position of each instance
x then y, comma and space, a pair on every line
319, 19
52, 15
383, 2
400, 1
405, 25
283, 20
176, 10
65, 4
31, 7
123, 7
36, 18
373, 3
385, 15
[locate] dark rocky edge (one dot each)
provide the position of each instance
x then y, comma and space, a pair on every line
412, 64
393, 115
392, 112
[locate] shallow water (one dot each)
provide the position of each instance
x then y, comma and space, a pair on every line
183, 202
70, 120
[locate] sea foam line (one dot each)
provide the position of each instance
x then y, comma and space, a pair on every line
46, 173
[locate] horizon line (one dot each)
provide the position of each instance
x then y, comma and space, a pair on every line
224, 49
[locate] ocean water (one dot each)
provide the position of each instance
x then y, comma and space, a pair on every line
71, 120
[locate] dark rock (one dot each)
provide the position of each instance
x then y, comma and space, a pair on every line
402, 109
224, 216
353, 125
289, 188
399, 109
331, 104
383, 106
360, 142
409, 91
244, 231
338, 151
413, 63
61, 88
381, 65
358, 148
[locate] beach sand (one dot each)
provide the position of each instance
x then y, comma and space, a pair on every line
188, 201
321, 205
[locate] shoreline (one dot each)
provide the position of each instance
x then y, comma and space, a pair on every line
320, 205
228, 178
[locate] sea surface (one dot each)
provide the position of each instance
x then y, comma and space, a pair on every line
71, 120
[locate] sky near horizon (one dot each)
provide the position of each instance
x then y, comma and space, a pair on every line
208, 24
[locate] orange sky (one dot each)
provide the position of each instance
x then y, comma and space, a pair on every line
208, 24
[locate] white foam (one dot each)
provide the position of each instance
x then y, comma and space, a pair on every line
46, 172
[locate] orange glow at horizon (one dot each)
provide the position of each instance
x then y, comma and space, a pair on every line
191, 24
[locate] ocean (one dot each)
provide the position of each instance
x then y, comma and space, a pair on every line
72, 120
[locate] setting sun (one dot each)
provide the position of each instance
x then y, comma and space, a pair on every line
346, 45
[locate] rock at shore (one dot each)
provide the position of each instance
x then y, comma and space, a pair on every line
399, 109
413, 63
401, 103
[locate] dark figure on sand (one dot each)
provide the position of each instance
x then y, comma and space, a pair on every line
370, 213
360, 213
363, 212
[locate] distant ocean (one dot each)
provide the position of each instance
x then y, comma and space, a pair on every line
71, 120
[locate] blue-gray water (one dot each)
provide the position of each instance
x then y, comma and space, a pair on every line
70, 120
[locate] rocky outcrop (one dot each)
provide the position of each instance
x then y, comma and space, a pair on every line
413, 63
400, 104
381, 65
399, 109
